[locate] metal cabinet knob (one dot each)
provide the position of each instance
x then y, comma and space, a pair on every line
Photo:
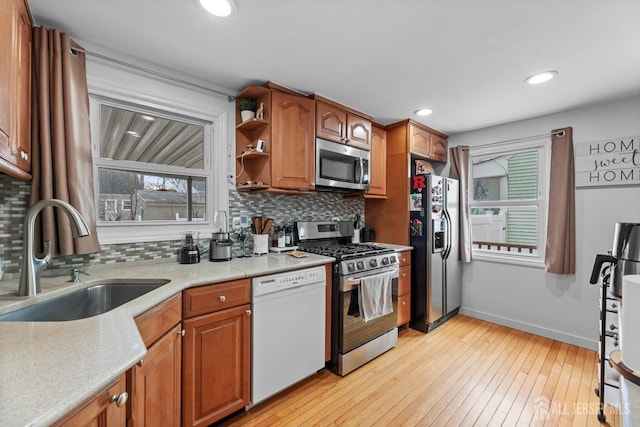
119, 399
248, 312
404, 275
222, 298
181, 332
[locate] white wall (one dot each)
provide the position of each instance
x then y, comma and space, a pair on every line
527, 298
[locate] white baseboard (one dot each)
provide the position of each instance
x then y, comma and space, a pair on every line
532, 329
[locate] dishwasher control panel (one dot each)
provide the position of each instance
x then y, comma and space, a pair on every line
290, 279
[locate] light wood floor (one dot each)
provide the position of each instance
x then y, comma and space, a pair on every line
466, 372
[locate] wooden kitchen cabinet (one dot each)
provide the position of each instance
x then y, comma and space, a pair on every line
378, 162
154, 384
15, 89
428, 143
287, 164
216, 351
106, 409
404, 140
341, 124
404, 288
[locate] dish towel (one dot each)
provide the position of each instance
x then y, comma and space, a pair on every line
375, 297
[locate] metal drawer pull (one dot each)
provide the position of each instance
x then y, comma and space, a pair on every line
119, 399
222, 298
248, 312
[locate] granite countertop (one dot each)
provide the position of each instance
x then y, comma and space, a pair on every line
49, 368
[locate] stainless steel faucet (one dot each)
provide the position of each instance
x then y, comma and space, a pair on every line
29, 284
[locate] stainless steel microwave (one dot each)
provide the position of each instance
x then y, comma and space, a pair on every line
341, 167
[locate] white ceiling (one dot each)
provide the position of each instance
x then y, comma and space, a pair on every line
466, 59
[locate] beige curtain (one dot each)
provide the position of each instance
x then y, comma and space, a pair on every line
560, 252
460, 171
61, 142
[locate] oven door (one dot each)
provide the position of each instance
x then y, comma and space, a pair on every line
353, 331
341, 166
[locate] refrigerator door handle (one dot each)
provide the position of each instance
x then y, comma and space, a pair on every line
447, 249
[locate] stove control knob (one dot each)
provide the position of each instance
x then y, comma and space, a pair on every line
373, 263
385, 261
360, 265
393, 259
351, 267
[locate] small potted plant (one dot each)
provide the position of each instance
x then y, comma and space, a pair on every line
247, 107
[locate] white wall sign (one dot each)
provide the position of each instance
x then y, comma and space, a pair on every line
614, 161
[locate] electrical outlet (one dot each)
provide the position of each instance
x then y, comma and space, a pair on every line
244, 221
235, 222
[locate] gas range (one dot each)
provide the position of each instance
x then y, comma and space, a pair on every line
333, 239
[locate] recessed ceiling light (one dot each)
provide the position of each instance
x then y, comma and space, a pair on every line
133, 133
220, 8
423, 112
538, 78
148, 118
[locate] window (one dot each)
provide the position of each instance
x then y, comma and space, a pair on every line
508, 201
153, 163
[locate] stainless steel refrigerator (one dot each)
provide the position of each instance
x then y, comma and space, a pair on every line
436, 271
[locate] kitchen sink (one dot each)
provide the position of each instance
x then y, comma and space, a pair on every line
86, 302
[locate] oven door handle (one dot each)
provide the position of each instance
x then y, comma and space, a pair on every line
348, 283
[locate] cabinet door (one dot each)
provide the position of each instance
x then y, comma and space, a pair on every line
439, 148
378, 162
6, 88
216, 365
21, 138
103, 410
358, 132
331, 122
156, 382
292, 142
419, 141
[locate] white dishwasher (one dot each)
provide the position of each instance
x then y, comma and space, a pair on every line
288, 330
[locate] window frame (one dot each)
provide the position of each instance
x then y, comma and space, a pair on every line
543, 147
214, 171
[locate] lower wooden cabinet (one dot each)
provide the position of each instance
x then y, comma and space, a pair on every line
106, 409
404, 288
154, 384
216, 356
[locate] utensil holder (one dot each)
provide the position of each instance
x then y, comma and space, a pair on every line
260, 244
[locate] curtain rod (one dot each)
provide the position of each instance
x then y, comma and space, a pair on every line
230, 98
559, 133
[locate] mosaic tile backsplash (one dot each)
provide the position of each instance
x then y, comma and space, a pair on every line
285, 209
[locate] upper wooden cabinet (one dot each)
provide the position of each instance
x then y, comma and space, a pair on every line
418, 139
287, 162
378, 162
338, 123
15, 89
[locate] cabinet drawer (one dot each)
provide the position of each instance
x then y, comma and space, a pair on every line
210, 298
404, 280
404, 309
404, 258
155, 322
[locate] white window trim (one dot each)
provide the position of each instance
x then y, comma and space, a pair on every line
122, 205
544, 163
215, 156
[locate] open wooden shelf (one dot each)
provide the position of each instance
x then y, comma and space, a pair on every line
252, 155
252, 124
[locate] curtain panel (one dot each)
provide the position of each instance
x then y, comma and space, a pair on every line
61, 142
460, 171
560, 251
